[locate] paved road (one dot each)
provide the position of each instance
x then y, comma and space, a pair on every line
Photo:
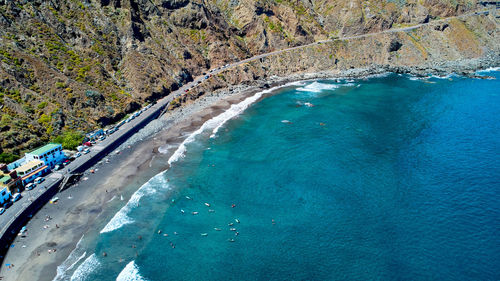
9, 215
28, 196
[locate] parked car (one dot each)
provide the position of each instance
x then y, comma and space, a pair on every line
58, 167
39, 180
7, 204
86, 151
16, 197
2, 210
30, 186
78, 154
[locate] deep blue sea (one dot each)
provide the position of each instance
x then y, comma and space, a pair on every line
385, 178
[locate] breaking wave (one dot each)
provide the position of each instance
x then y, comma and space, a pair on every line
121, 218
74, 257
89, 265
317, 87
130, 273
218, 121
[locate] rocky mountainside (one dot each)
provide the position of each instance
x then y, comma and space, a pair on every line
75, 65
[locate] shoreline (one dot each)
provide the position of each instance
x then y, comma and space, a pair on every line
140, 158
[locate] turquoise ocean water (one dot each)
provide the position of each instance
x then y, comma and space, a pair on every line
386, 178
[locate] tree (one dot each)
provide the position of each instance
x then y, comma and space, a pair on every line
69, 139
8, 158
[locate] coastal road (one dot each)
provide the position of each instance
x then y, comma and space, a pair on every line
102, 148
28, 196
392, 30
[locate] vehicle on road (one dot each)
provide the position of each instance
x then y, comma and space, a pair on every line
16, 197
206, 77
78, 154
86, 151
39, 180
58, 167
2, 210
54, 200
30, 186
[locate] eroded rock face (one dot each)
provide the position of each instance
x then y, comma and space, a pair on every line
394, 46
135, 51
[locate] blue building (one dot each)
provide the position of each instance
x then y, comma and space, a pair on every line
51, 154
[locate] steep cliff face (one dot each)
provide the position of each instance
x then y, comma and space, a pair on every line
76, 65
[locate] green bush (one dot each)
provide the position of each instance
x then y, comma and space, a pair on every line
42, 105
8, 158
69, 139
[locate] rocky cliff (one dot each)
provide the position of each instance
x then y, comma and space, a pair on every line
76, 65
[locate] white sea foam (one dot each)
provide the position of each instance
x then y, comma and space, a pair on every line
415, 78
317, 87
491, 69
442, 77
74, 257
88, 266
130, 273
121, 218
218, 121
233, 111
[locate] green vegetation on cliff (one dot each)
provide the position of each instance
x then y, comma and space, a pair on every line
125, 53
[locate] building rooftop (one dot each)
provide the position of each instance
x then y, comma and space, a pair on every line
29, 165
4, 179
41, 150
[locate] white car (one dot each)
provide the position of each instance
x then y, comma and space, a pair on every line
2, 210
16, 197
39, 180
30, 186
86, 151
78, 154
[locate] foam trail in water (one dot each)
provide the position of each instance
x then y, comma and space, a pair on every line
130, 273
74, 257
121, 218
317, 87
87, 266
